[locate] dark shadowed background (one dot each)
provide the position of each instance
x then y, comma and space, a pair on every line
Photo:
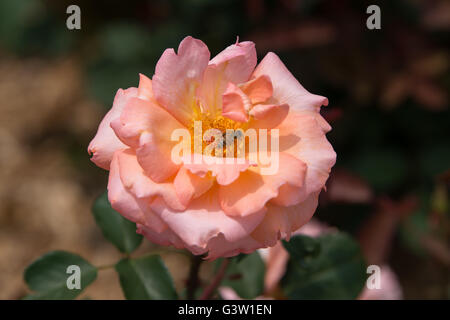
388, 91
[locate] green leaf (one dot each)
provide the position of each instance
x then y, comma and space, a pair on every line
145, 278
48, 276
246, 275
332, 268
302, 247
118, 230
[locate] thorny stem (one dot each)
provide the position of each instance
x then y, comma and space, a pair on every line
193, 280
211, 288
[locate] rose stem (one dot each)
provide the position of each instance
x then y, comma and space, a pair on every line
211, 288
193, 280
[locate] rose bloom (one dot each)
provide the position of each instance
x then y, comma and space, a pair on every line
220, 209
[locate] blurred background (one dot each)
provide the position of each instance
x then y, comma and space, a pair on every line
388, 91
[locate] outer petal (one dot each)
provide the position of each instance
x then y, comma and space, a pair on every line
220, 247
145, 90
140, 185
120, 199
302, 137
280, 222
164, 238
177, 77
251, 191
289, 195
147, 128
204, 220
240, 60
190, 186
127, 204
105, 142
286, 89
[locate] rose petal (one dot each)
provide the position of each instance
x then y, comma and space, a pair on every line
147, 128
235, 104
235, 64
281, 221
302, 137
204, 219
190, 186
268, 116
127, 204
259, 89
252, 190
286, 88
145, 90
164, 238
240, 60
220, 247
177, 77
225, 172
142, 186
105, 142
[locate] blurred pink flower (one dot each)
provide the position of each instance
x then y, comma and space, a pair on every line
217, 209
390, 288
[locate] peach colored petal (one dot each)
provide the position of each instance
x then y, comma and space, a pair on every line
145, 90
302, 137
260, 111
141, 185
154, 156
259, 89
225, 173
213, 85
287, 89
235, 64
268, 116
164, 238
120, 199
177, 77
105, 142
220, 247
235, 104
240, 60
280, 222
147, 128
251, 191
127, 204
288, 195
190, 186
204, 220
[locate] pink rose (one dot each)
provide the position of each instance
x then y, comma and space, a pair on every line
222, 209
